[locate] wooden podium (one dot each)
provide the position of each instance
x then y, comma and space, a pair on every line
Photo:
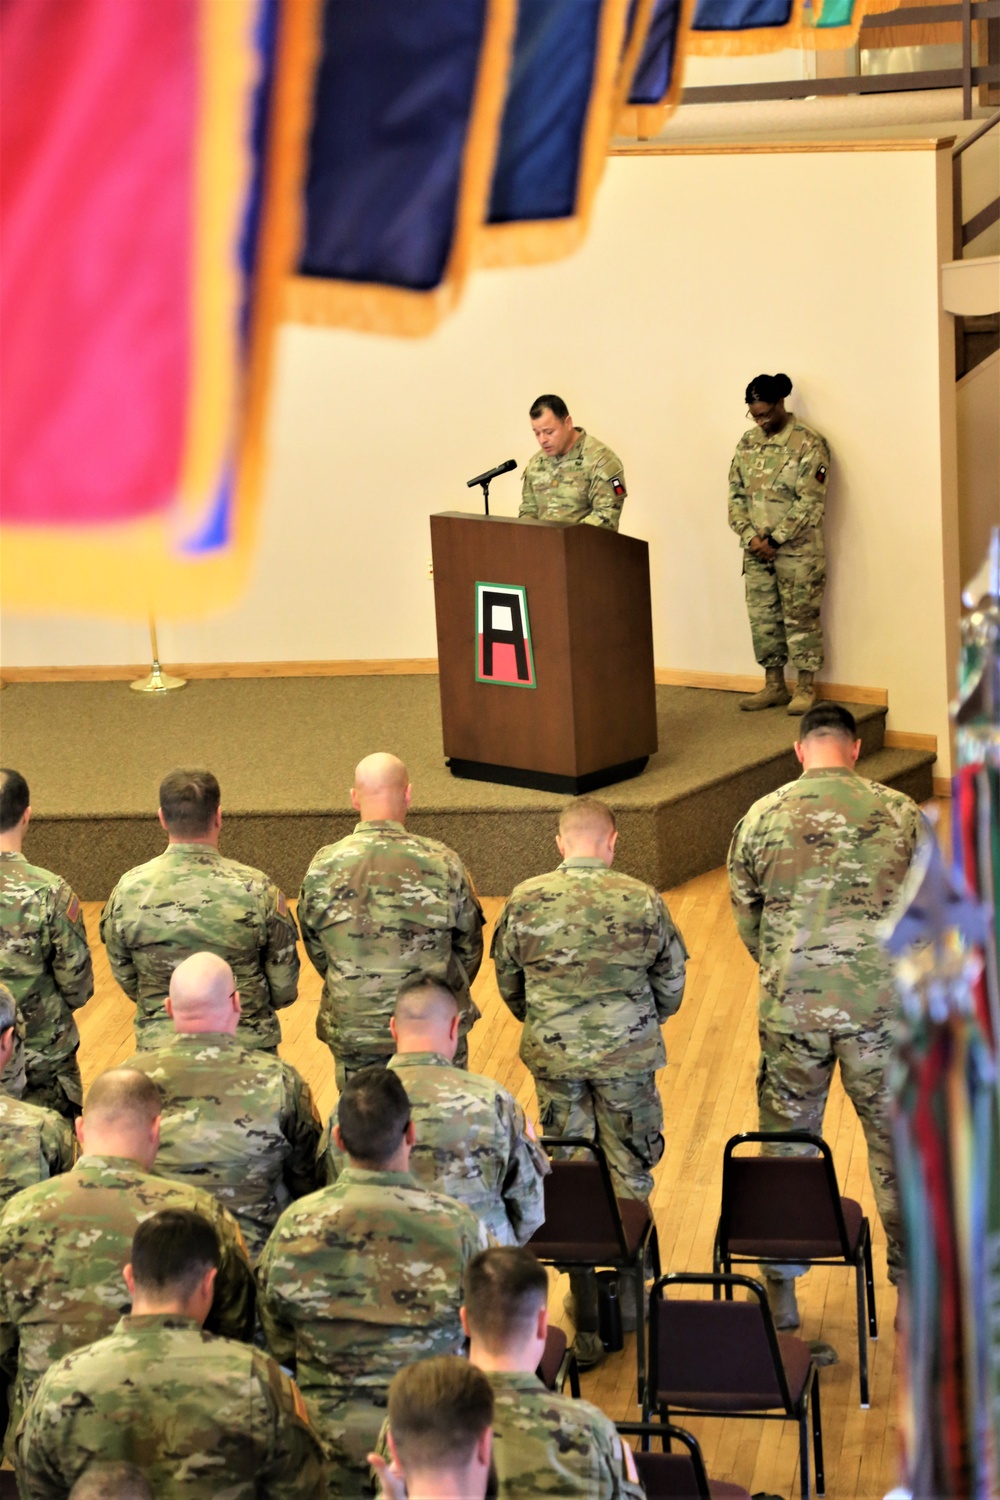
545, 651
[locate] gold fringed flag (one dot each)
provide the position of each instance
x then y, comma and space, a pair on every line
655, 91
730, 27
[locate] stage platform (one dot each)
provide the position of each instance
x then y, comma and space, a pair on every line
284, 750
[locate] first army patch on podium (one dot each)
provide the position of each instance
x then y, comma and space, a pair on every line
503, 636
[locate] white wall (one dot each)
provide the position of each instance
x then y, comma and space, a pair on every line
700, 271
978, 396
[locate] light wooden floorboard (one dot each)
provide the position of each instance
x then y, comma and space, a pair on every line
708, 1095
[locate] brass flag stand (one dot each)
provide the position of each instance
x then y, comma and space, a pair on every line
158, 681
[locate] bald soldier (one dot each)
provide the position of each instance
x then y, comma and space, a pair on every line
591, 962
35, 1143
101, 1481
379, 907
192, 899
238, 1121
63, 1242
572, 477
44, 959
473, 1141
203, 1415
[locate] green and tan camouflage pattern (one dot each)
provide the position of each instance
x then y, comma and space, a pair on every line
200, 1416
473, 1143
624, 1115
63, 1244
35, 1143
45, 963
776, 487
547, 1444
377, 908
590, 961
192, 899
356, 1281
576, 486
784, 601
237, 1121
14, 1078
814, 867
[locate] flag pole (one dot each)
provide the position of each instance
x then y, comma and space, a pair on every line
157, 681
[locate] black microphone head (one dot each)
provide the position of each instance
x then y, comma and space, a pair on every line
505, 468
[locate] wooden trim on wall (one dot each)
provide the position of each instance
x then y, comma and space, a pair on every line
942, 786
899, 739
776, 148
376, 667
726, 682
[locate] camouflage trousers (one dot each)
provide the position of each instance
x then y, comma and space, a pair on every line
783, 602
793, 1081
349, 1431
54, 1083
623, 1115
347, 1063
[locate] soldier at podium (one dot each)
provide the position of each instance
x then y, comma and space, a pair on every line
573, 477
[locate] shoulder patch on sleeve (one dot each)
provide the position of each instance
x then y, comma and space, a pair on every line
821, 473
282, 904
618, 486
300, 1405
73, 909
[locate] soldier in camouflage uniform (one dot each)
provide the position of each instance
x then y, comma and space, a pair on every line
44, 960
200, 1415
190, 899
813, 869
364, 1276
237, 1121
379, 907
63, 1243
543, 1443
777, 494
34, 1143
440, 1435
473, 1141
572, 477
112, 1482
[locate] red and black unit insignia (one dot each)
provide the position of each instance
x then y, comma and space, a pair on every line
821, 473
282, 904
73, 909
618, 487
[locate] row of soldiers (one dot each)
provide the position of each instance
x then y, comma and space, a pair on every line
586, 957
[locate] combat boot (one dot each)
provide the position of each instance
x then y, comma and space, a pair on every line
805, 694
774, 693
581, 1305
782, 1300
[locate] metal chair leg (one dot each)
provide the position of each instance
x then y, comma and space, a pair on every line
804, 1450
859, 1284
870, 1283
665, 1419
639, 1273
817, 1426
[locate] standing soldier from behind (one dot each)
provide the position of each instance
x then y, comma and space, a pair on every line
191, 899
777, 494
44, 958
237, 1121
35, 1143
473, 1140
591, 962
572, 477
379, 907
814, 868
203, 1415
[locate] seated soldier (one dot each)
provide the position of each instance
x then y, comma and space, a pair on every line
543, 1444
364, 1276
63, 1242
439, 1437
202, 1415
473, 1140
239, 1122
35, 1143
112, 1482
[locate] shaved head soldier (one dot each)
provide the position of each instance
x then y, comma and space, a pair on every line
380, 907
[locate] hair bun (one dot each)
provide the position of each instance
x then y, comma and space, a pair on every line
782, 386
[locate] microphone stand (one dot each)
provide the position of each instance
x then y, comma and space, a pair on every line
485, 484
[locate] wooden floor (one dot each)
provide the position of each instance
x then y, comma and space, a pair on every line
708, 1095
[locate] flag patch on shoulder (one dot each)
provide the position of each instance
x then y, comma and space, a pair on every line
821, 473
618, 487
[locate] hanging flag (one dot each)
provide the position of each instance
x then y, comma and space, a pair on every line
406, 117
833, 23
655, 91
727, 27
151, 156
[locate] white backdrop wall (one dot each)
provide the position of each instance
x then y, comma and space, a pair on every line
700, 271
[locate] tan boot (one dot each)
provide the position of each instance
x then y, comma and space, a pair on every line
774, 693
783, 1302
805, 694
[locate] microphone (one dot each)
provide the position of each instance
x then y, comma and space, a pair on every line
504, 468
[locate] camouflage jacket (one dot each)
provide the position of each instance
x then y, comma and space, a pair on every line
13, 1079
35, 1144
379, 907
63, 1244
813, 869
362, 1278
191, 899
473, 1143
590, 960
44, 959
238, 1122
586, 484
198, 1415
778, 485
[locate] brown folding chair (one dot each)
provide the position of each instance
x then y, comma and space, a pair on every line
712, 1358
8, 1485
558, 1364
780, 1209
587, 1226
676, 1476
